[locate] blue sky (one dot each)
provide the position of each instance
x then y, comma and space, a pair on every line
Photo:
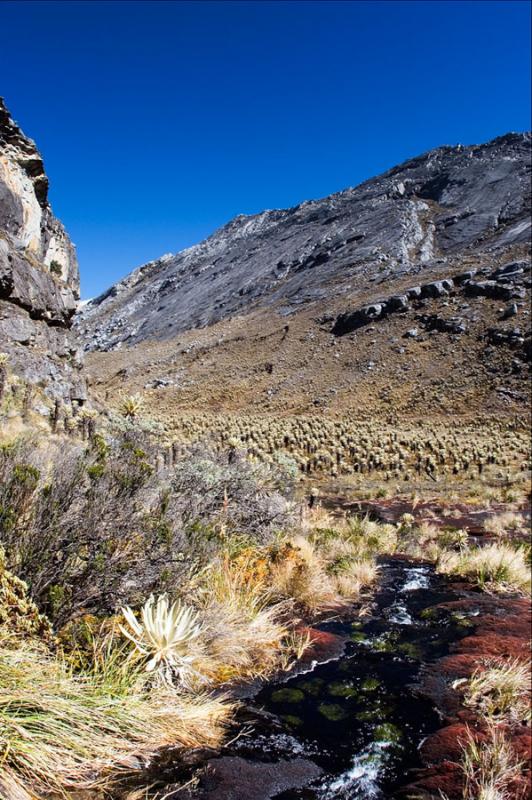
160, 121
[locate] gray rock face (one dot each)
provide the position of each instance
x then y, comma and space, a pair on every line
415, 218
39, 280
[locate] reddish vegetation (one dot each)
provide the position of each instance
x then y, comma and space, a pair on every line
324, 645
502, 628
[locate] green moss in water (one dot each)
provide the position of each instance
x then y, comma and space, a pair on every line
370, 685
287, 696
339, 689
429, 613
332, 712
344, 666
388, 733
292, 721
461, 620
369, 715
411, 650
387, 644
312, 687
358, 636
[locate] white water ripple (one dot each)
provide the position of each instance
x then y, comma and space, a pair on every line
416, 578
361, 780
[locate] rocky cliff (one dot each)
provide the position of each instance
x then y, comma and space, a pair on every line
39, 279
419, 217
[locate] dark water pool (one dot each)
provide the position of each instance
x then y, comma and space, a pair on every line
359, 718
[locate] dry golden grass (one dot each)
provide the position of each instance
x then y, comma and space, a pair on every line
61, 733
500, 524
496, 567
491, 768
243, 631
500, 690
326, 569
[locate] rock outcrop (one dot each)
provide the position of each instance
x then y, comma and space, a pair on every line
39, 279
420, 218
508, 282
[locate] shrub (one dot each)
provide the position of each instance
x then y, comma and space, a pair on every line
56, 268
96, 527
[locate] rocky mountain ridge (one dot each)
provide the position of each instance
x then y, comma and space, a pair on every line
39, 277
422, 217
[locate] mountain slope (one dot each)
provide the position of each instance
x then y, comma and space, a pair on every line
407, 294
453, 200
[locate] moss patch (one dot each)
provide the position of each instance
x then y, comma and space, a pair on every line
288, 696
332, 712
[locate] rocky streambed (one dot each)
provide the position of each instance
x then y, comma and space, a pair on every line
353, 722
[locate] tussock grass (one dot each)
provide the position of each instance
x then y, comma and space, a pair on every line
500, 690
500, 524
243, 630
60, 732
496, 567
327, 569
491, 768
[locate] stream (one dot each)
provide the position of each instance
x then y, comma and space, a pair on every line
356, 720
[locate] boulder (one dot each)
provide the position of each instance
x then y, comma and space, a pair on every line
352, 320
464, 276
434, 322
512, 268
436, 289
397, 303
492, 289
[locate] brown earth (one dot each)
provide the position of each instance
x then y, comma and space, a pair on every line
261, 362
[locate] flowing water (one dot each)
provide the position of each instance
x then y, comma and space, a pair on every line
359, 717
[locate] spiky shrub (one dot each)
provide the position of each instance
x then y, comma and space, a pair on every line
131, 406
165, 636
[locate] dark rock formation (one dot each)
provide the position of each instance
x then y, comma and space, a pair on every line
433, 322
39, 281
421, 217
504, 283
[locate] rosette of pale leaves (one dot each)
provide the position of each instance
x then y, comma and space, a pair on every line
164, 635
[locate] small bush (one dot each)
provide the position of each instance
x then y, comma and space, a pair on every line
96, 528
56, 268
